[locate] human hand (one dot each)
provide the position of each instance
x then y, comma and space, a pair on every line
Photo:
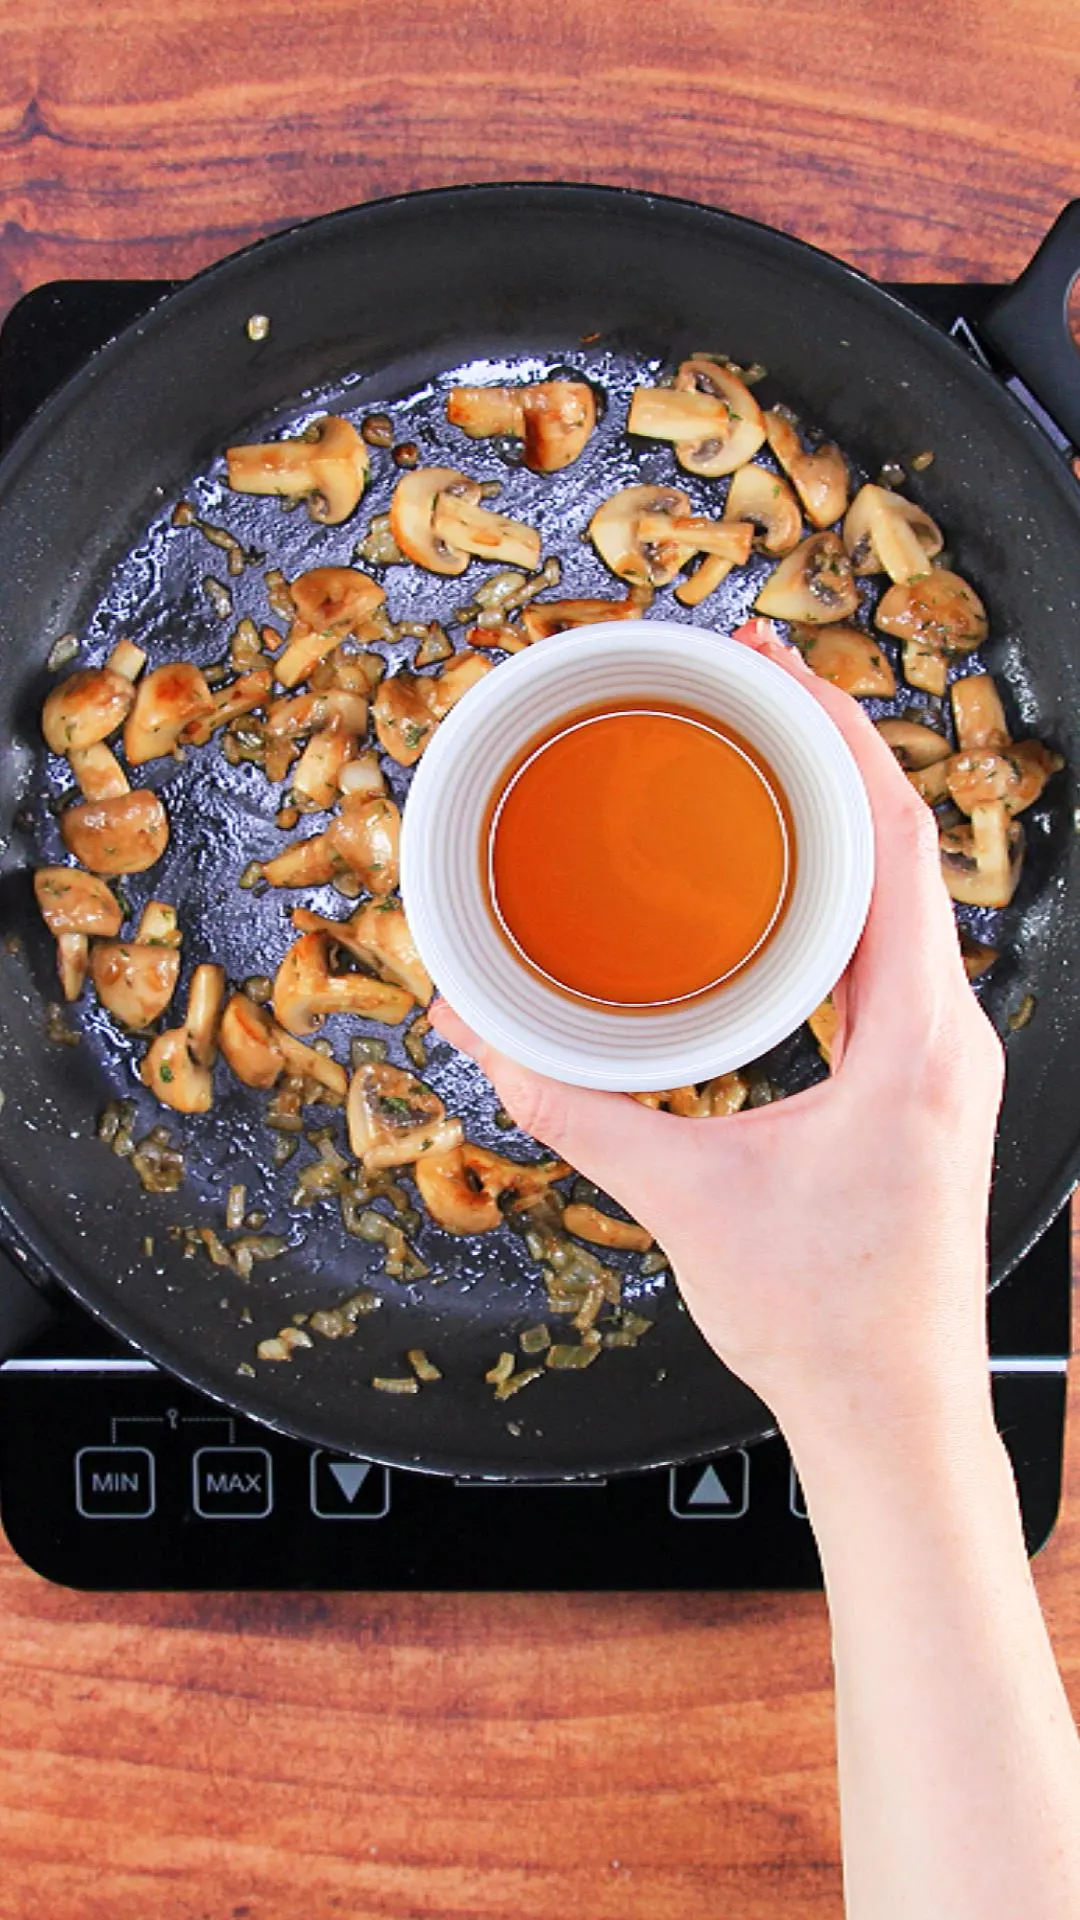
831, 1246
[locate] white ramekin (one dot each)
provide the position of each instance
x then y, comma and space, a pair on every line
443, 856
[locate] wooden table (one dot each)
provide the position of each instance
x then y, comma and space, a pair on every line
290, 1758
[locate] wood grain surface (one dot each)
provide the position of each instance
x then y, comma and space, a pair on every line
516, 1758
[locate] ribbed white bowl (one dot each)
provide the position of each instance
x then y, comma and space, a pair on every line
443, 856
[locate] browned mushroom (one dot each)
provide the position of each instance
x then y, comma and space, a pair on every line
239, 696
978, 714
169, 699
884, 533
259, 1050
134, 980
848, 658
555, 418
1015, 775
329, 469
976, 956
379, 936
934, 616
466, 1188
317, 772
913, 742
306, 990
365, 837
342, 600
438, 522
306, 863
98, 772
543, 618
177, 1065
86, 707
613, 531
823, 1024
71, 901
709, 414
981, 862
604, 1230
820, 478
393, 1118
767, 502
465, 526
124, 835
812, 584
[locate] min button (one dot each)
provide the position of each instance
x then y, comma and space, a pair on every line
114, 1483
233, 1483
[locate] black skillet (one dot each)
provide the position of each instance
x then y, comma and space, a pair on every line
372, 306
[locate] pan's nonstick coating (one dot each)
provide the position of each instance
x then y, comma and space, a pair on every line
382, 308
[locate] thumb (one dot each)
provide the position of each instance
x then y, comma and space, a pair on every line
606, 1136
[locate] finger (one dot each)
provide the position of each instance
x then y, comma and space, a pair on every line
909, 943
606, 1136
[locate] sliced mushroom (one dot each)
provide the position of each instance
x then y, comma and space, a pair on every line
412, 518
711, 572
127, 660
715, 453
1016, 775
914, 744
934, 616
884, 533
306, 863
981, 862
820, 478
767, 502
72, 961
728, 1093
466, 1189
305, 990
134, 981
330, 470
71, 901
239, 696
555, 418
379, 936
86, 707
812, 584
98, 772
393, 1118
976, 956
177, 1065
466, 527
343, 600
696, 533
546, 617
366, 837
125, 835
454, 681
823, 1024
316, 773
258, 1050
604, 1230
169, 699
293, 716
404, 721
848, 658
931, 783
613, 531
363, 775
978, 714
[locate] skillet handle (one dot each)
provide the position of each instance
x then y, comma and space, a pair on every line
25, 1310
1029, 324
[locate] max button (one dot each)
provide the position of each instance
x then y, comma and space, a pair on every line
233, 1483
114, 1483
345, 1489
718, 1491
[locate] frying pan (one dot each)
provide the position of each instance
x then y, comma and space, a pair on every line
371, 306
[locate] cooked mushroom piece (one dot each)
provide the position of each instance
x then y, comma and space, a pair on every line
728, 1093
177, 1065
823, 1024
366, 837
86, 707
466, 527
976, 956
169, 699
412, 517
931, 783
343, 600
98, 772
127, 660
767, 502
393, 1118
134, 981
330, 471
820, 478
711, 572
884, 533
981, 862
1015, 775
305, 990
306, 863
467, 1189
316, 774
978, 714
124, 835
613, 531
404, 721
454, 682
914, 744
72, 961
206, 997
714, 454
812, 584
934, 616
379, 936
259, 1051
555, 418
363, 775
848, 658
546, 617
239, 696
604, 1230
71, 901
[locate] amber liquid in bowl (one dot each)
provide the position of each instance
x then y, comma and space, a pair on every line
639, 856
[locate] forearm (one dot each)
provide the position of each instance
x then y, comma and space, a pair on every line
958, 1760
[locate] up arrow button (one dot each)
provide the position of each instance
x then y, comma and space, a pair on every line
720, 1490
